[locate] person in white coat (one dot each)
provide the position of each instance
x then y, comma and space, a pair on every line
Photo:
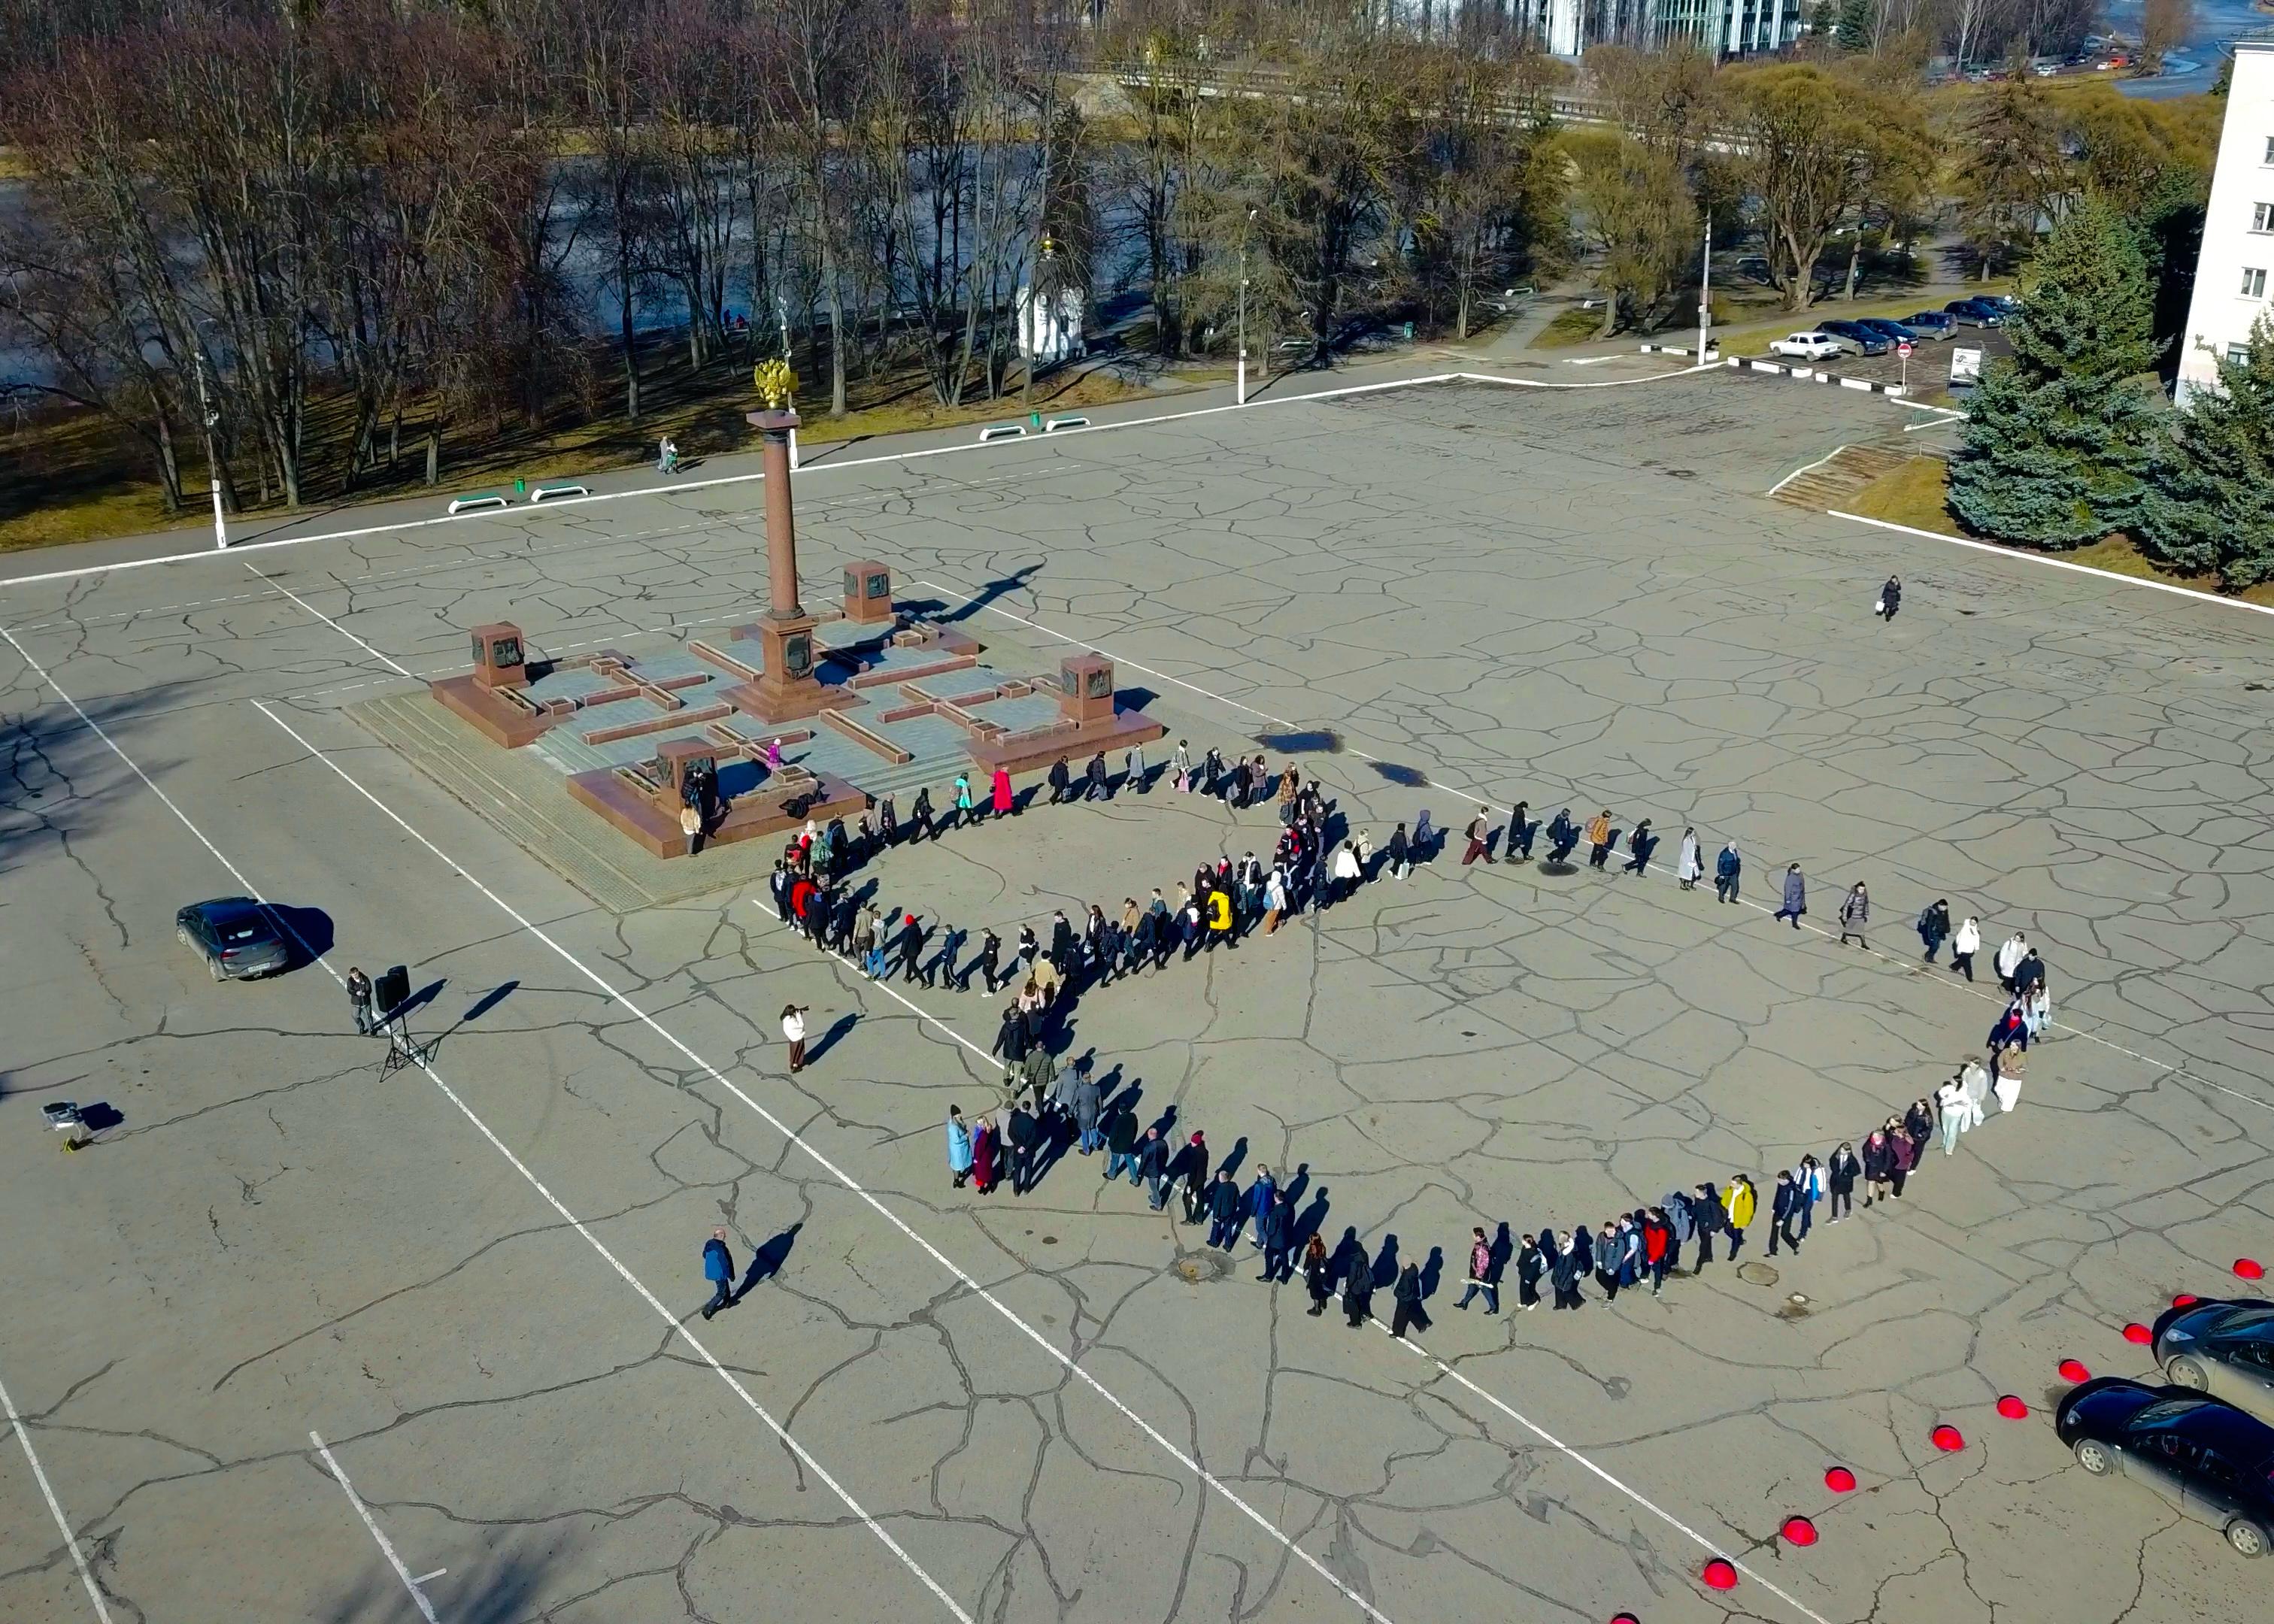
1688, 869
1964, 946
1974, 1082
2009, 960
1956, 1115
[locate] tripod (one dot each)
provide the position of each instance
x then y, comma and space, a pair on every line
403, 1051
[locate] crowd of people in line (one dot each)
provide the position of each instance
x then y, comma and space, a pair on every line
1052, 1113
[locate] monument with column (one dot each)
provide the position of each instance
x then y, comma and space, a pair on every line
787, 689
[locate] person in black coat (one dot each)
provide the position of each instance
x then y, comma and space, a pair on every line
1407, 1293
1521, 833
1839, 1178
1062, 943
1226, 1210
1563, 837
1891, 598
1278, 1226
1153, 1168
912, 945
1784, 1210
920, 819
1709, 1218
1358, 1285
1530, 1265
1933, 928
1025, 1134
1564, 1268
1059, 779
1318, 1274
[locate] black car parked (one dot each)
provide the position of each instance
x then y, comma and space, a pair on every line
1856, 333
2213, 1462
2221, 1347
1893, 331
1932, 323
1976, 312
236, 937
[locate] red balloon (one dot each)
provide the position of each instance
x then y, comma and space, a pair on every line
1840, 1480
2137, 1332
2250, 1269
1948, 1438
2186, 1300
1799, 1531
1722, 1573
2012, 1408
2072, 1369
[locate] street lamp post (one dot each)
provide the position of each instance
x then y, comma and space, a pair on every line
1240, 386
213, 482
1705, 287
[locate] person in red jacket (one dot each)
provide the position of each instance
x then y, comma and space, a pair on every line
1657, 1246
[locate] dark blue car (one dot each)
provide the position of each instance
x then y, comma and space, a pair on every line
1893, 331
1933, 324
1976, 312
2208, 1460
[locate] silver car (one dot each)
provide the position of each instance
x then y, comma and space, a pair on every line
236, 937
2225, 1347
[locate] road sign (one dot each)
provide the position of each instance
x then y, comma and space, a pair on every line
1965, 367
1904, 349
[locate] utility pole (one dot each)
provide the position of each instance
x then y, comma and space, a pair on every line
1239, 388
211, 420
782, 314
1705, 287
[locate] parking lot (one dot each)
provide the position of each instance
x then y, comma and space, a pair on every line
298, 1339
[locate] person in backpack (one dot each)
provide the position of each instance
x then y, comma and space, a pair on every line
1784, 1208
1675, 1205
1709, 1218
1933, 928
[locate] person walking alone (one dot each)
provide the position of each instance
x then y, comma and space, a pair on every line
1727, 868
792, 1023
1795, 897
1480, 1274
1856, 917
1891, 598
719, 1269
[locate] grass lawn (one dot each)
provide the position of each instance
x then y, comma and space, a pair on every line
75, 476
1573, 327
1915, 494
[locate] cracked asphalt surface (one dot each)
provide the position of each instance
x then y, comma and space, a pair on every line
1575, 597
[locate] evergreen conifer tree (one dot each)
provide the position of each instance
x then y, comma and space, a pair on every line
1854, 30
2060, 437
2210, 503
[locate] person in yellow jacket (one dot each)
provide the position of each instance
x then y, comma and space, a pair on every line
1220, 917
1738, 1201
1599, 837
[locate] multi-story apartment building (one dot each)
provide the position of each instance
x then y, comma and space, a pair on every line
2237, 259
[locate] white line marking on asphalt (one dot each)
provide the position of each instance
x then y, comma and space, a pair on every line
386, 660
428, 1578
1569, 1453
1487, 799
791, 1136
385, 1546
2050, 562
830, 467
55, 1506
804, 1456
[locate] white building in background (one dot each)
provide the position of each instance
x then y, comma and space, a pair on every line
1567, 27
2236, 263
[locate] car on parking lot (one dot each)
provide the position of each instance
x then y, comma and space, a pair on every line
1811, 346
1858, 337
2209, 1460
236, 937
1894, 332
2005, 302
1976, 313
1933, 324
2225, 1347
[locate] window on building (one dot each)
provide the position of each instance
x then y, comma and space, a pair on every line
2239, 353
2270, 149
2261, 216
2254, 282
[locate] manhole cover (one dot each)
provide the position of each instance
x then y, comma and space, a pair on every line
1680, 473
1795, 1306
1050, 1240
1201, 1268
1757, 1274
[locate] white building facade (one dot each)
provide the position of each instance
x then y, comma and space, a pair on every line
2236, 264
1730, 28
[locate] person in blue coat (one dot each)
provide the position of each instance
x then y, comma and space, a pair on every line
719, 1269
1260, 1197
1727, 868
958, 1146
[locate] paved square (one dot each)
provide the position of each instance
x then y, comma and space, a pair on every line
467, 1281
